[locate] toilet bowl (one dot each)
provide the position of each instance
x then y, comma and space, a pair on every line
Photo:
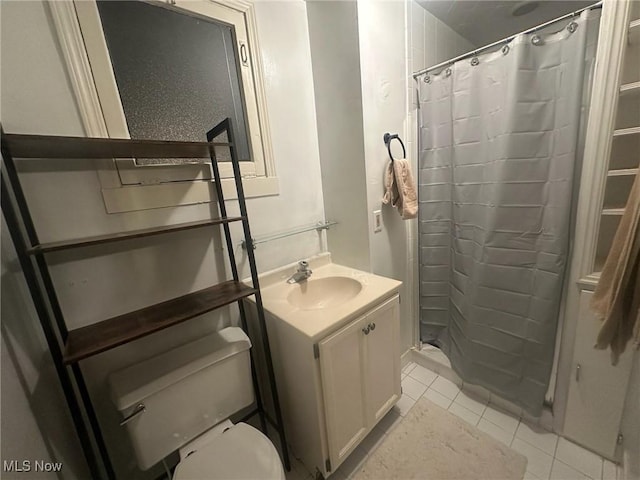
233, 452
181, 400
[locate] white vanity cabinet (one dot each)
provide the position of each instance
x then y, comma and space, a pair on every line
360, 372
336, 386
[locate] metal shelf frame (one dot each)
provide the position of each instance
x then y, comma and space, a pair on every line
33, 262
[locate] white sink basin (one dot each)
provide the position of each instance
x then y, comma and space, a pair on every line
314, 294
333, 296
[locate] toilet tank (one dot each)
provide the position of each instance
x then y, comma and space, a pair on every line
183, 392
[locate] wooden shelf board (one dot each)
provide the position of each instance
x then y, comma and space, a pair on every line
116, 237
630, 89
46, 146
626, 131
622, 172
93, 339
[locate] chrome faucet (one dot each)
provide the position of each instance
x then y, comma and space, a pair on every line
301, 274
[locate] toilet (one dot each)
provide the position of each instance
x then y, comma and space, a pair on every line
181, 399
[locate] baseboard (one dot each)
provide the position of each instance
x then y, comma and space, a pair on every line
406, 357
435, 360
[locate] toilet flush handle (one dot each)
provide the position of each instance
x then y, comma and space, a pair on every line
140, 408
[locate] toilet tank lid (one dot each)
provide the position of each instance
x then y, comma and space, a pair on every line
133, 384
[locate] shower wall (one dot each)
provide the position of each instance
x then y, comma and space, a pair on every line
429, 42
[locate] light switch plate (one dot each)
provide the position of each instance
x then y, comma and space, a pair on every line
377, 221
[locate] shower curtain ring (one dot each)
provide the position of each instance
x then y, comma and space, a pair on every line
447, 72
572, 27
475, 61
536, 40
427, 79
505, 49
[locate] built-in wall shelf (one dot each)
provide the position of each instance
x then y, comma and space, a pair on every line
623, 160
599, 265
623, 172
635, 10
624, 152
626, 131
613, 211
634, 32
96, 338
630, 89
610, 167
53, 147
116, 237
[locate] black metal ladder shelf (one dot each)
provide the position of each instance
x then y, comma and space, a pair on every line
68, 347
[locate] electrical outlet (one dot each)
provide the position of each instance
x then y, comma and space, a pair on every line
377, 221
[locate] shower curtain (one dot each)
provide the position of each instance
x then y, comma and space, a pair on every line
498, 147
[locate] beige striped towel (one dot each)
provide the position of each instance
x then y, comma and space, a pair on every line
400, 189
616, 300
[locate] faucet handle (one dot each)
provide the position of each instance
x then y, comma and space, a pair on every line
303, 266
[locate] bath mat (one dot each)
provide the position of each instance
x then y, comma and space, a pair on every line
433, 444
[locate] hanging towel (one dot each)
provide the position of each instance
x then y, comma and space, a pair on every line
616, 300
400, 189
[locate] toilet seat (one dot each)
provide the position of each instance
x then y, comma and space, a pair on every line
241, 452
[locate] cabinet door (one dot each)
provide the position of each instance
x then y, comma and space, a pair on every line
382, 355
343, 385
597, 389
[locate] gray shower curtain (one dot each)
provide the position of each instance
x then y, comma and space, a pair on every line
498, 147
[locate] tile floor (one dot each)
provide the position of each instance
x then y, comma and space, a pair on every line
549, 457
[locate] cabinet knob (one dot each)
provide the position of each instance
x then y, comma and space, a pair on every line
372, 326
366, 330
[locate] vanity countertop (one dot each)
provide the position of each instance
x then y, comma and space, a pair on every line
317, 322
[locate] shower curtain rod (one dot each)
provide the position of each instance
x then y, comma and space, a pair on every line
505, 40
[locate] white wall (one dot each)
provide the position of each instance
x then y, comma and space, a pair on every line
335, 54
35, 422
101, 282
381, 28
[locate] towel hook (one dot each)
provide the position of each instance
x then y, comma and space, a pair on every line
387, 141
